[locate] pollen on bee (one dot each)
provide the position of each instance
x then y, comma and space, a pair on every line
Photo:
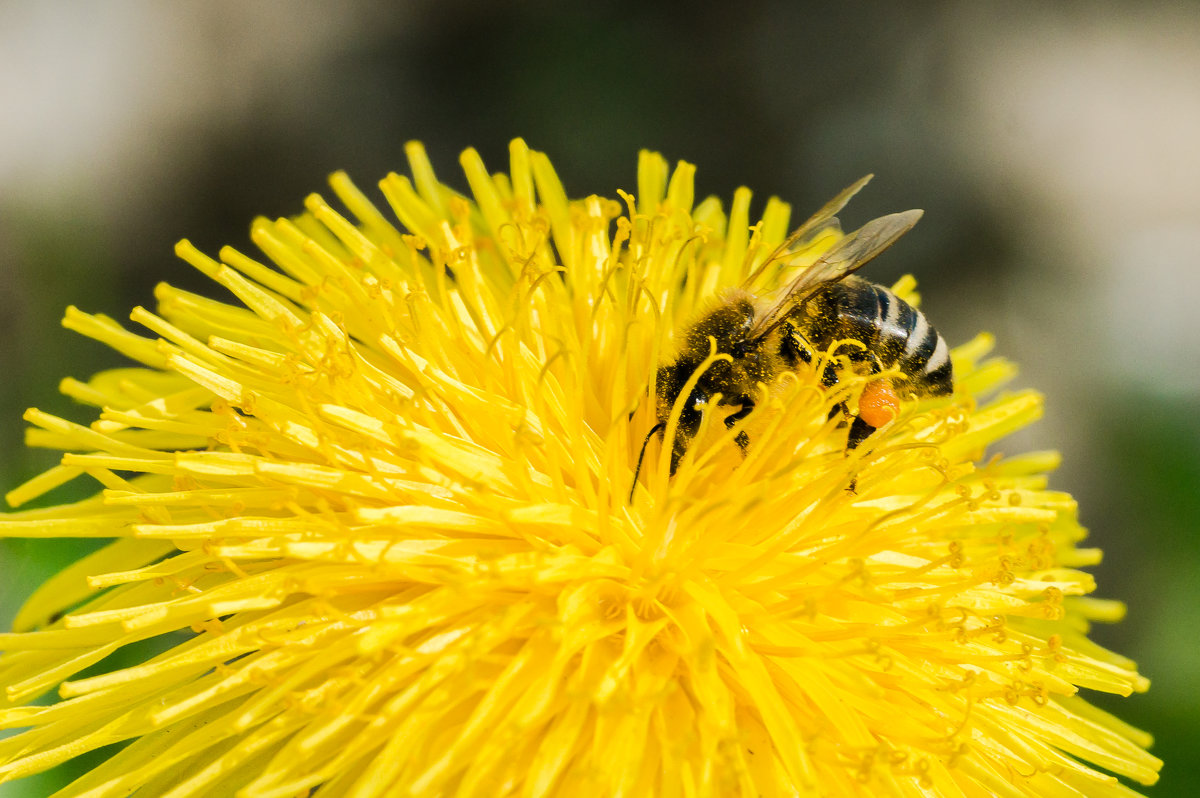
879, 403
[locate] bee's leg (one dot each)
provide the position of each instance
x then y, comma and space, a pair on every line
641, 455
859, 429
742, 439
859, 432
689, 424
791, 348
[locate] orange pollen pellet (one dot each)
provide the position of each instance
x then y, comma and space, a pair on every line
879, 403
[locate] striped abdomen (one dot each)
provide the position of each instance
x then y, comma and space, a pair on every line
892, 332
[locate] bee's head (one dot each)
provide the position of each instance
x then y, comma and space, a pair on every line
728, 324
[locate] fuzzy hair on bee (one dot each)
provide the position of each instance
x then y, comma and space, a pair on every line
746, 340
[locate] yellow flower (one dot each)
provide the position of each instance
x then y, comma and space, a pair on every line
385, 495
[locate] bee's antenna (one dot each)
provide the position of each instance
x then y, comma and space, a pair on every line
642, 454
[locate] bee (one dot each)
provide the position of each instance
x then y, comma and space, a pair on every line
824, 305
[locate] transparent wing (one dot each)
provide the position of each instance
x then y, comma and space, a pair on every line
845, 257
817, 223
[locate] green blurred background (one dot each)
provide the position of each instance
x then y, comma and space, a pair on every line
1054, 149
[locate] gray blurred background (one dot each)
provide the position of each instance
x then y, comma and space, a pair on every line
1054, 150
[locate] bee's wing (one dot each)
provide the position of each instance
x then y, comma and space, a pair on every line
817, 223
845, 257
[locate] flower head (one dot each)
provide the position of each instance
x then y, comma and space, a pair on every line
384, 493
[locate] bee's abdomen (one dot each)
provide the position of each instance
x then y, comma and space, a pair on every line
891, 331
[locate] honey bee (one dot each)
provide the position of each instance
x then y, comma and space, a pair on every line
824, 305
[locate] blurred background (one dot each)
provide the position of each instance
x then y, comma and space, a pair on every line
1054, 149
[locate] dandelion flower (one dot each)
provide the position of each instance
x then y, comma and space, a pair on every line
376, 510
